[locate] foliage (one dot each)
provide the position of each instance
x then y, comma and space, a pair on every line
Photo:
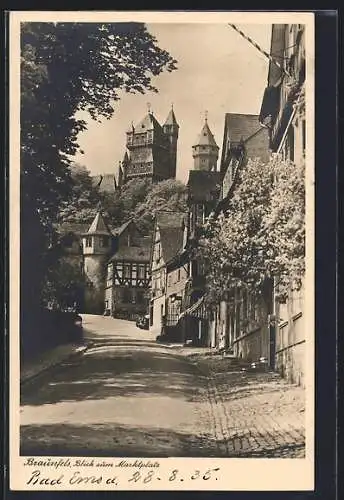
84, 199
262, 234
65, 68
120, 207
64, 285
168, 195
138, 199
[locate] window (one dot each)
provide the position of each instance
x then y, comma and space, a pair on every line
291, 143
199, 214
141, 271
178, 275
88, 241
158, 252
126, 271
304, 135
104, 241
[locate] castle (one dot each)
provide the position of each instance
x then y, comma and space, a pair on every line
151, 152
152, 149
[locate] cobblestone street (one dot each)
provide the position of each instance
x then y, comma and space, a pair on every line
128, 396
253, 414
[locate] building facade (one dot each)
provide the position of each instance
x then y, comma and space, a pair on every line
204, 187
283, 113
128, 274
168, 240
240, 321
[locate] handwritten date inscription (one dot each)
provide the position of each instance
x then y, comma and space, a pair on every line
138, 476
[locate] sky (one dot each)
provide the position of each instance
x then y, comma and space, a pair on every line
218, 72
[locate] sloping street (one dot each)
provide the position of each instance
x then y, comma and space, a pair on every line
128, 396
125, 396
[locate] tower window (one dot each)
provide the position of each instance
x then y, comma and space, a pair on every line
104, 241
88, 242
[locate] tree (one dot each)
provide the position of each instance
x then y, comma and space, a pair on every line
262, 234
168, 195
66, 68
84, 199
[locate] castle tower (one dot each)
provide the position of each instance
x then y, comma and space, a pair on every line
171, 130
96, 247
150, 148
205, 151
122, 170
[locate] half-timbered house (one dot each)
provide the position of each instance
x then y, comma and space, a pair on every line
128, 274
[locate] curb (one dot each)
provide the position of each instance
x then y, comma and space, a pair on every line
76, 352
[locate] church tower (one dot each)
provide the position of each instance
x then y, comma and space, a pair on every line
171, 130
205, 151
96, 247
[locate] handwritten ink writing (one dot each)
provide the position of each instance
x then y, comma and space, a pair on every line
77, 478
37, 478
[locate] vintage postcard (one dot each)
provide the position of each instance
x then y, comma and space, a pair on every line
161, 251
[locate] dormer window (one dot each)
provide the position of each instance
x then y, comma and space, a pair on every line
88, 241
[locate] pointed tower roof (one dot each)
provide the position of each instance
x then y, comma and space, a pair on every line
206, 137
125, 157
149, 122
99, 226
171, 118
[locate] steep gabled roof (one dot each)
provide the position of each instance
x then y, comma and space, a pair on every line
149, 122
133, 254
239, 128
119, 230
171, 228
105, 182
204, 186
167, 219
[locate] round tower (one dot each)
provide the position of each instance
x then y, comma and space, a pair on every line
205, 151
96, 247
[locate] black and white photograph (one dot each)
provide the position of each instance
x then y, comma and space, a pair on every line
162, 253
